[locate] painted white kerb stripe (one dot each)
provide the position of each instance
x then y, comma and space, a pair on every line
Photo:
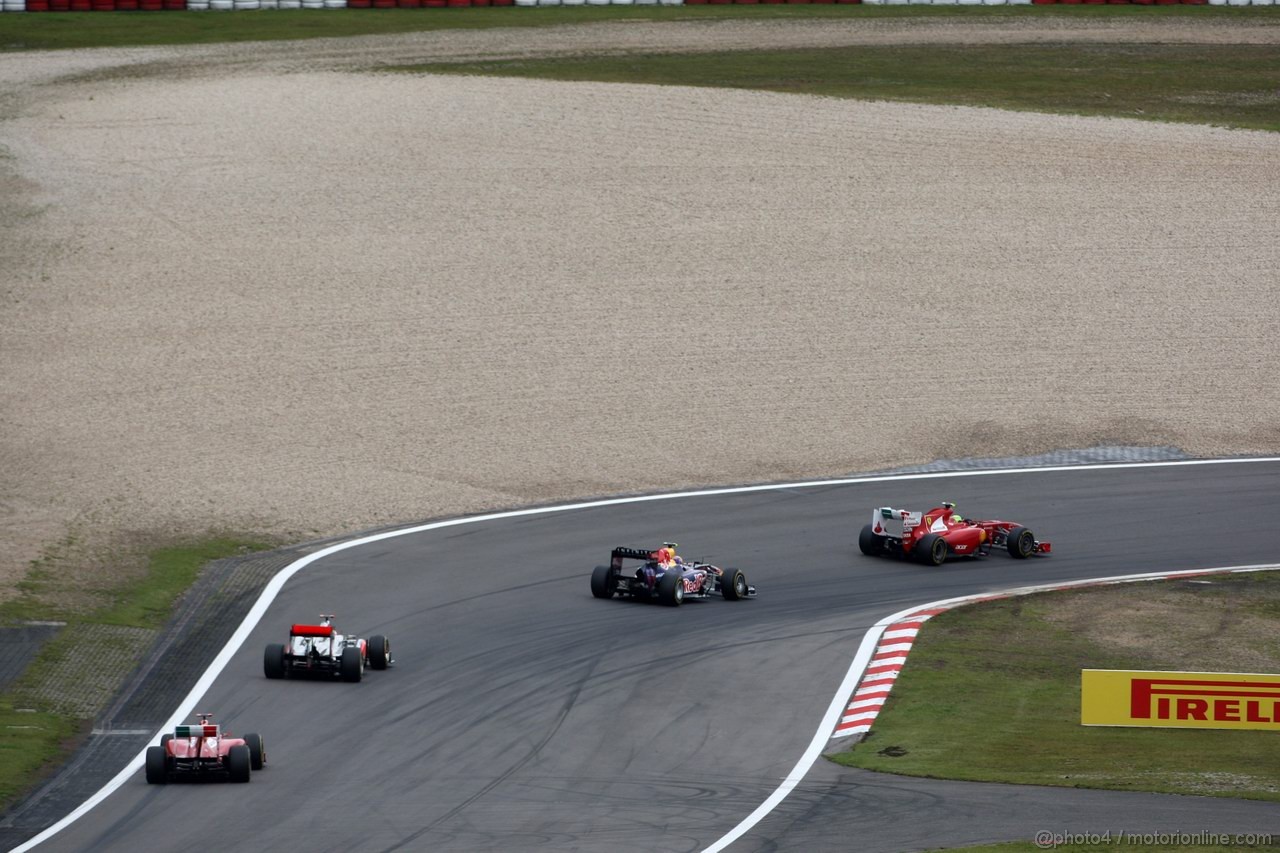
273, 588
860, 661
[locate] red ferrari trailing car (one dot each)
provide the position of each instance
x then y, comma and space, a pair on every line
930, 537
202, 752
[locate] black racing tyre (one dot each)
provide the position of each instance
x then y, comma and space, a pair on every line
352, 664
157, 766
1020, 542
273, 661
164, 740
603, 582
733, 585
671, 589
871, 544
379, 651
257, 752
239, 762
931, 549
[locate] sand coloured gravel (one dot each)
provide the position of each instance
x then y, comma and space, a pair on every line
253, 286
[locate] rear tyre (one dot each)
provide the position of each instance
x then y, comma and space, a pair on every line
273, 661
164, 741
238, 763
931, 549
157, 769
671, 589
603, 583
379, 651
871, 544
733, 584
257, 752
1020, 542
352, 664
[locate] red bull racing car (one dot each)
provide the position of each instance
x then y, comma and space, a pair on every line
319, 650
659, 575
203, 752
931, 537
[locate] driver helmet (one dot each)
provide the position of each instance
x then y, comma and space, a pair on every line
956, 519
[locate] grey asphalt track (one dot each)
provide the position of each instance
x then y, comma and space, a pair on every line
524, 715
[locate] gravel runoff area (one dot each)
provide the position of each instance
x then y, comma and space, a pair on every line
252, 286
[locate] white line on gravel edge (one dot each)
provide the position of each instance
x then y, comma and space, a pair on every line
273, 588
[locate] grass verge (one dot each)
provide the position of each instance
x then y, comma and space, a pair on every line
56, 30
32, 744
148, 602
46, 713
992, 692
1228, 85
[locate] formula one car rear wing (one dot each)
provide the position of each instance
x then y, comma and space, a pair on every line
633, 553
887, 521
206, 730
311, 631
622, 553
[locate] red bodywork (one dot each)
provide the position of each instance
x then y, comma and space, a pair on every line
964, 537
213, 744
203, 751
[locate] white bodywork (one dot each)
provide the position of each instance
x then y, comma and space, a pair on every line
324, 646
887, 521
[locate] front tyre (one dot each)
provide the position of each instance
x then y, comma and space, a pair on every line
352, 664
931, 549
257, 752
379, 652
733, 585
1021, 542
870, 542
603, 583
239, 761
157, 766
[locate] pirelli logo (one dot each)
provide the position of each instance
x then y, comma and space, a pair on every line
1189, 700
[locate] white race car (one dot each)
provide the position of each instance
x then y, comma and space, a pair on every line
319, 650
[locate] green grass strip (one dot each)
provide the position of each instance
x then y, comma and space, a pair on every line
31, 745
1227, 85
148, 601
54, 30
992, 692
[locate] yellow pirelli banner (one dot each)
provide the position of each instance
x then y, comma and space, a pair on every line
1185, 700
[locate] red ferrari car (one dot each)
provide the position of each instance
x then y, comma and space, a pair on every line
204, 751
932, 536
